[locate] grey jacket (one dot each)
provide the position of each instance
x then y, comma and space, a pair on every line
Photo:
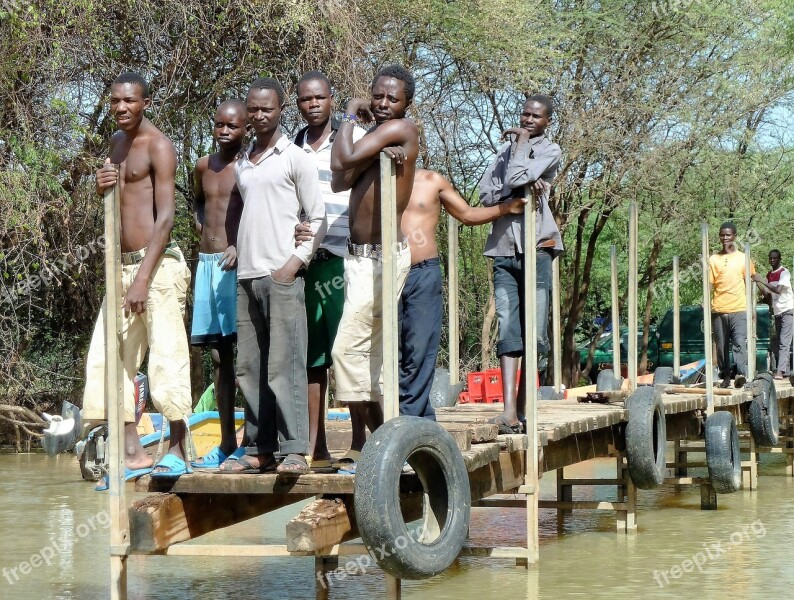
513, 168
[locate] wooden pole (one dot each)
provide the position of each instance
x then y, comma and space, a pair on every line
530, 367
388, 212
632, 358
555, 323
613, 266
114, 396
750, 314
676, 320
454, 320
709, 349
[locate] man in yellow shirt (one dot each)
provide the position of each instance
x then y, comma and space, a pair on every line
728, 305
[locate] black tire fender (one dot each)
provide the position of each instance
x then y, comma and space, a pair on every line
764, 414
722, 453
607, 382
646, 437
663, 375
437, 461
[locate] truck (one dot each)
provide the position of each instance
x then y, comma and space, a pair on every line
660, 343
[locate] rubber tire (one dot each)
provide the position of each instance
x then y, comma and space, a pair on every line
663, 375
607, 382
547, 392
646, 437
438, 463
764, 414
722, 453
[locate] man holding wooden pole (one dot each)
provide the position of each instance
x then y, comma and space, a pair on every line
527, 158
155, 279
357, 353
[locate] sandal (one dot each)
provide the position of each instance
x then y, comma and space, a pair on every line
243, 466
294, 463
506, 428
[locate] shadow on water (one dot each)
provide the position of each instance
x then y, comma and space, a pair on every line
742, 548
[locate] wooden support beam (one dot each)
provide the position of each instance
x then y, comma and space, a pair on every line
708, 496
389, 228
320, 524
750, 468
676, 320
454, 306
613, 285
556, 321
749, 314
462, 436
159, 521
633, 311
114, 390
709, 348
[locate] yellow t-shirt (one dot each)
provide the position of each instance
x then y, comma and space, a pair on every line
726, 273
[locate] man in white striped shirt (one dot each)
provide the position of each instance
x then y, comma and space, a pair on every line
325, 277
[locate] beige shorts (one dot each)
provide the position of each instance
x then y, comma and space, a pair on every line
358, 347
161, 330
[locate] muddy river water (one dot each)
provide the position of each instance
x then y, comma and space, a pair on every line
54, 545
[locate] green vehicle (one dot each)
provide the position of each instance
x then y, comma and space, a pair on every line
660, 343
692, 343
602, 355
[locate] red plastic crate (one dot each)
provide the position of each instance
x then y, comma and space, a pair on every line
475, 383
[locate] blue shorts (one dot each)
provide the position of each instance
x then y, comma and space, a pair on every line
214, 302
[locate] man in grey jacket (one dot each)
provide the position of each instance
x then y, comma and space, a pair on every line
527, 158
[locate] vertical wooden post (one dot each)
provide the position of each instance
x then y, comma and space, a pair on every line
393, 587
708, 348
530, 367
564, 494
676, 320
114, 396
750, 314
388, 212
454, 320
613, 267
632, 358
750, 467
555, 323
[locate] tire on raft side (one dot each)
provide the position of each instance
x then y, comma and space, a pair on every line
722, 453
437, 461
764, 414
663, 375
646, 437
607, 382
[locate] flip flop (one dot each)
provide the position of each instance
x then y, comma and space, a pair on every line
294, 464
268, 466
175, 465
506, 428
129, 474
215, 458
320, 466
347, 461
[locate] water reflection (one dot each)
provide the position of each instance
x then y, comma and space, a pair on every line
42, 500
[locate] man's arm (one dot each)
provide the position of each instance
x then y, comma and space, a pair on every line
233, 213
163, 161
348, 155
767, 287
307, 189
521, 169
470, 215
199, 200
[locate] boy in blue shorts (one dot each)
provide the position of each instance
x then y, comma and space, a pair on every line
217, 216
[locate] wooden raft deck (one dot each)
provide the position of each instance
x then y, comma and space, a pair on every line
570, 432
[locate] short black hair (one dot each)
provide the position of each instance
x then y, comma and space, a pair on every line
233, 103
776, 251
543, 100
315, 76
268, 83
401, 73
728, 225
132, 77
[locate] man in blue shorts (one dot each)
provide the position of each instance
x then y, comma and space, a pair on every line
217, 215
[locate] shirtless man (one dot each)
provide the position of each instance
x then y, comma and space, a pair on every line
215, 300
357, 353
421, 304
420, 308
155, 278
